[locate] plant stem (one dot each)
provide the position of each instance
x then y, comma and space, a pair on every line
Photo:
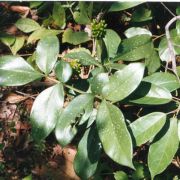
170, 46
70, 87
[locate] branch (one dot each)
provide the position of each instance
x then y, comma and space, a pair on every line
170, 45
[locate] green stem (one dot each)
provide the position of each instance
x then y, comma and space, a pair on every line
70, 87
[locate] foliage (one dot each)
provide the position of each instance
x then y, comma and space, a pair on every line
120, 72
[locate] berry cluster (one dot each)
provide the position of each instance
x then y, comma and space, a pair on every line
98, 29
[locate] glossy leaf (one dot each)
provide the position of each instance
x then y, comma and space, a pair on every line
45, 111
141, 14
92, 117
113, 134
135, 48
163, 47
153, 62
63, 71
15, 71
112, 41
179, 129
59, 15
35, 4
98, 82
151, 94
163, 148
134, 31
120, 175
178, 70
65, 128
46, 53
75, 38
123, 82
42, 33
165, 80
120, 6
17, 45
82, 56
27, 25
83, 16
7, 39
115, 66
146, 127
88, 154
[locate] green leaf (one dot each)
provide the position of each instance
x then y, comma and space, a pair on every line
151, 94
15, 71
63, 71
114, 135
146, 127
179, 129
135, 48
98, 82
165, 80
35, 4
47, 53
112, 41
82, 56
163, 148
115, 66
163, 46
59, 15
141, 14
120, 175
27, 25
66, 127
17, 45
42, 33
84, 15
7, 39
153, 62
75, 38
178, 21
134, 31
178, 70
88, 154
45, 111
141, 171
29, 177
123, 82
120, 6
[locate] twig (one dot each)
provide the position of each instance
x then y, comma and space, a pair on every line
170, 45
157, 37
168, 9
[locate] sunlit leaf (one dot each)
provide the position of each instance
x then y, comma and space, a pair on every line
163, 148
59, 15
113, 134
134, 31
45, 111
66, 127
88, 154
82, 56
151, 94
165, 80
146, 127
123, 82
17, 45
63, 71
135, 48
120, 6
27, 25
47, 53
112, 41
42, 33
15, 71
